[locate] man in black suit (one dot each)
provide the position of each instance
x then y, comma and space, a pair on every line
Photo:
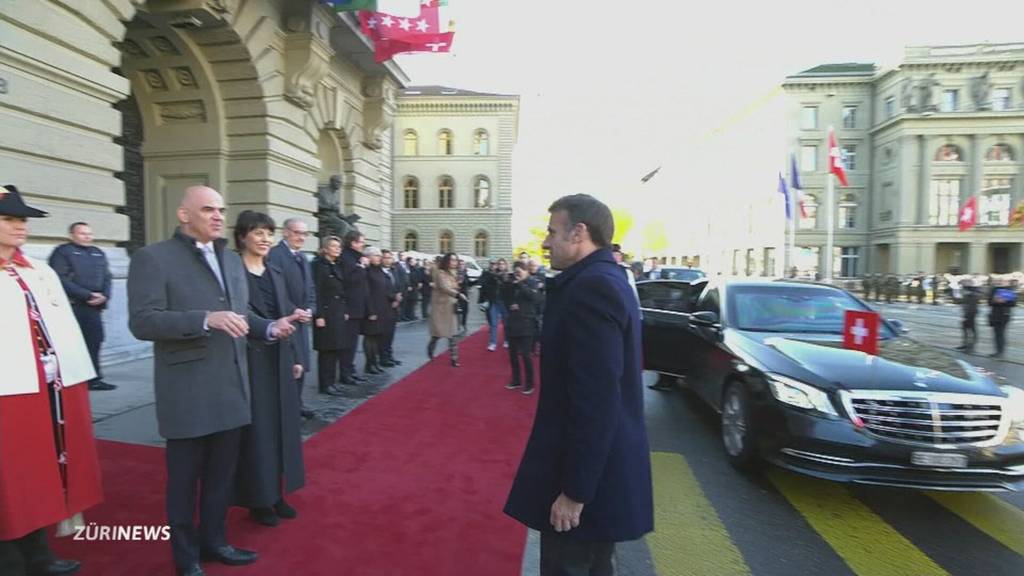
400, 272
412, 290
190, 297
390, 320
353, 274
298, 278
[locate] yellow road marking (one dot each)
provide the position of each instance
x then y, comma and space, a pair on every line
999, 519
866, 542
689, 537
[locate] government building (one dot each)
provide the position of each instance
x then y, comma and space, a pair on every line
112, 108
453, 171
918, 142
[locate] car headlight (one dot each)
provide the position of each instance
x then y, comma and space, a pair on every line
1015, 409
796, 393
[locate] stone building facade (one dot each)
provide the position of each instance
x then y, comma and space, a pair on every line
919, 141
453, 171
112, 108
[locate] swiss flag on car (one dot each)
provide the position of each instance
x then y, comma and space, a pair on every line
860, 331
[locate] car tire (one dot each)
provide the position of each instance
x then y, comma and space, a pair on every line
737, 440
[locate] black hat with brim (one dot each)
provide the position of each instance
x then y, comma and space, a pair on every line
11, 204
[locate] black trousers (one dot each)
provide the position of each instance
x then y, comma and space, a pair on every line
1000, 332
90, 321
387, 337
970, 333
520, 350
349, 343
327, 362
205, 464
371, 349
409, 306
425, 305
560, 556
29, 551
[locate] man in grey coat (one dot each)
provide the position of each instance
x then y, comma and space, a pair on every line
189, 296
298, 279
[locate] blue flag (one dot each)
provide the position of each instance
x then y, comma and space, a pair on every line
794, 174
785, 194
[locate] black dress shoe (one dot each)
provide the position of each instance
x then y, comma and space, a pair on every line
55, 568
455, 364
230, 555
333, 390
387, 364
193, 570
101, 386
284, 510
357, 378
265, 516
307, 413
395, 362
372, 370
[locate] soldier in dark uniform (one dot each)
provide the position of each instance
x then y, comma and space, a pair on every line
85, 274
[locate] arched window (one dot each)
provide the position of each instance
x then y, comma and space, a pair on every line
445, 143
445, 242
481, 143
994, 202
949, 153
848, 211
411, 189
810, 222
412, 242
446, 192
1000, 153
411, 143
480, 245
482, 192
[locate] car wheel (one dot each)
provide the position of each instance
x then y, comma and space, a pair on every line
736, 436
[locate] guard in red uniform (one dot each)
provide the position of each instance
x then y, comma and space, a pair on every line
49, 472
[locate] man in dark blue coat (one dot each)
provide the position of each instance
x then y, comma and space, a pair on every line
85, 275
357, 295
301, 288
585, 478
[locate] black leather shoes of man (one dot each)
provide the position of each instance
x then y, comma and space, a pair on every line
358, 378
193, 570
228, 554
55, 568
101, 386
387, 364
333, 390
372, 369
307, 413
285, 511
265, 516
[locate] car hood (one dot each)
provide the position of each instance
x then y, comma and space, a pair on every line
901, 364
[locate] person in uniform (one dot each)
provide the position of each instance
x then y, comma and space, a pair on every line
85, 275
49, 471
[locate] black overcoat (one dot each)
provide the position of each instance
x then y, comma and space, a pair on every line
330, 297
588, 439
270, 461
377, 303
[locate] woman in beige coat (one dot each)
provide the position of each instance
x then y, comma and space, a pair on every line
443, 298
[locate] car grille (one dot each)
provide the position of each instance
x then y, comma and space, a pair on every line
935, 419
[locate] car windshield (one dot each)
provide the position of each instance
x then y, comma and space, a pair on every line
684, 274
800, 309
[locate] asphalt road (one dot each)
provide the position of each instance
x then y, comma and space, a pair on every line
712, 520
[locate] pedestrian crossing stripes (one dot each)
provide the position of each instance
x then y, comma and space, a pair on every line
868, 544
1000, 520
691, 537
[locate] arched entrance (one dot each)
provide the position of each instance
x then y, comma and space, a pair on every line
188, 79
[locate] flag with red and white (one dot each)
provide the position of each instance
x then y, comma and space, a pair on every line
835, 158
860, 331
381, 25
969, 214
385, 48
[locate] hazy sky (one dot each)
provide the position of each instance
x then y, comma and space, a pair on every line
608, 94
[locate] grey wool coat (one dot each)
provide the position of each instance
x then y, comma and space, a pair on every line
201, 377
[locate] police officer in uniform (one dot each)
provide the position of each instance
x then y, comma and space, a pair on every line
85, 274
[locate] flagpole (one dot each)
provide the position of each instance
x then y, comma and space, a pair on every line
792, 232
830, 235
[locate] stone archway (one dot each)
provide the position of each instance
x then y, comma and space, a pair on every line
201, 106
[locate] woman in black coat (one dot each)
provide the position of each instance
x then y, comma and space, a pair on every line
520, 327
270, 461
377, 304
330, 315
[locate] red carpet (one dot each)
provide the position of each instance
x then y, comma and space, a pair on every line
410, 483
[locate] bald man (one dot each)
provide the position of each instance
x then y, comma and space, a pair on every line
189, 296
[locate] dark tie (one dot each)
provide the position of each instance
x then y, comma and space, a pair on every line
301, 261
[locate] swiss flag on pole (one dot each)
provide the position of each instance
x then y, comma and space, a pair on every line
860, 331
969, 214
835, 158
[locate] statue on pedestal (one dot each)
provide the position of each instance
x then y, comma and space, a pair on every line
981, 92
328, 214
927, 93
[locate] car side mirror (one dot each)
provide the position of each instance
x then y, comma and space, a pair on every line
704, 318
899, 326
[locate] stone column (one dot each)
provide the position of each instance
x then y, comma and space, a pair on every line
925, 178
977, 258
906, 211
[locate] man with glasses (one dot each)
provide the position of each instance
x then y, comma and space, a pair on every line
298, 278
